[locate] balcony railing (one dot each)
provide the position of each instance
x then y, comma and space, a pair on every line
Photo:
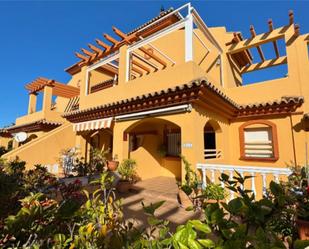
259, 174
212, 153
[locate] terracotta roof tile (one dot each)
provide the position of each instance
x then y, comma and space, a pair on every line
37, 122
162, 14
202, 82
284, 100
259, 108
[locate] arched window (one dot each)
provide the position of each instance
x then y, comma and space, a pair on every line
210, 140
258, 141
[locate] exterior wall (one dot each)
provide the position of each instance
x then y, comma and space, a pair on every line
4, 141
45, 149
290, 139
169, 77
204, 64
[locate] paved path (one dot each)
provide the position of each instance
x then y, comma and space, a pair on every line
151, 191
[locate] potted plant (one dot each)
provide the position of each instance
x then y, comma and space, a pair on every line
127, 171
112, 165
98, 160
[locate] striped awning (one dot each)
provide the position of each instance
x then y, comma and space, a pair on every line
93, 124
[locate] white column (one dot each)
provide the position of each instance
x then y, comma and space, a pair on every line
213, 176
189, 38
276, 176
264, 183
87, 83
253, 183
204, 178
231, 192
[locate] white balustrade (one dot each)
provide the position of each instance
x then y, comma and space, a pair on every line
254, 171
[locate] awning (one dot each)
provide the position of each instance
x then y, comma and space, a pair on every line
93, 124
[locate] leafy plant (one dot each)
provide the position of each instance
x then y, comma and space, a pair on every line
214, 192
191, 181
127, 170
98, 160
3, 150
39, 180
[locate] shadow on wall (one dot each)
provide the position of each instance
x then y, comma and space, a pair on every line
146, 137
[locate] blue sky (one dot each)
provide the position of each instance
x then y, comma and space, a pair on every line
39, 38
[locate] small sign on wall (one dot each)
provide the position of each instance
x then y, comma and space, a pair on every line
187, 145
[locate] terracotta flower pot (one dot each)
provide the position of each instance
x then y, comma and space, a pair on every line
184, 199
123, 186
112, 165
303, 229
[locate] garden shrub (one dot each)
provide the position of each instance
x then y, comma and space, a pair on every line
84, 220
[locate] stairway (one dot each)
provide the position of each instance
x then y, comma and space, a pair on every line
46, 149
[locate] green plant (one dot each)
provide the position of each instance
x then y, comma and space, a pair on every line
3, 150
98, 160
299, 189
39, 180
80, 167
127, 170
214, 192
191, 181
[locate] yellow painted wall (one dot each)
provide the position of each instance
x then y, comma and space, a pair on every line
47, 148
4, 141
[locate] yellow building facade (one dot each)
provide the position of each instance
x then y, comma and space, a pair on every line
174, 86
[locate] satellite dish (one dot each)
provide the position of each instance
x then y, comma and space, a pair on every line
20, 136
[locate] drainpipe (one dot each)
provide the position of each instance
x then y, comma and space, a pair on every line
293, 140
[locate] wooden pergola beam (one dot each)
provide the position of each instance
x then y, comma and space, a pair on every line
136, 70
145, 61
153, 56
59, 89
247, 54
87, 52
140, 65
103, 45
110, 68
259, 49
119, 33
81, 56
96, 49
111, 39
271, 28
265, 64
257, 40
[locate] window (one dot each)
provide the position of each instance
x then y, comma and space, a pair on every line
173, 144
211, 130
209, 142
258, 141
